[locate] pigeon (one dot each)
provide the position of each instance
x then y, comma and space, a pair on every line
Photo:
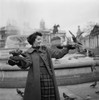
66, 97
88, 97
20, 92
93, 68
97, 92
16, 52
94, 84
75, 38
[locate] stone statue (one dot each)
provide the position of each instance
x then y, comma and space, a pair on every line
55, 29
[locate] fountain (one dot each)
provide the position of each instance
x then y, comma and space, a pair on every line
16, 41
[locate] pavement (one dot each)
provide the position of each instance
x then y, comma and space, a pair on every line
79, 91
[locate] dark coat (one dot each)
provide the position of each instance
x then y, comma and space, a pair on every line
32, 89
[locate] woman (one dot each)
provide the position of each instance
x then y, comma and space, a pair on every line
41, 83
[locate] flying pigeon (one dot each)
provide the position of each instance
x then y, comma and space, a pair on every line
75, 38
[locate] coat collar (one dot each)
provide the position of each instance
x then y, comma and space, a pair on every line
31, 50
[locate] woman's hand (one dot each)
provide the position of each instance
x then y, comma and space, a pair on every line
12, 61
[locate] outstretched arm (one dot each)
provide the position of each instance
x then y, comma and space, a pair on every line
59, 53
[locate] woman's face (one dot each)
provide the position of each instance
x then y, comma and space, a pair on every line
37, 41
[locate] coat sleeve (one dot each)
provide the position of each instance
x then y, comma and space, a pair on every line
58, 53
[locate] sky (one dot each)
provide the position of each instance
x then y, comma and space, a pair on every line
67, 13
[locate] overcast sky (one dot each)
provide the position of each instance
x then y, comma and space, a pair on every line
68, 13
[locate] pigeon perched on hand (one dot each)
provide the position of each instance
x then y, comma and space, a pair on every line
16, 52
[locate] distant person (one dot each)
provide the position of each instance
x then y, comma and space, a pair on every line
41, 82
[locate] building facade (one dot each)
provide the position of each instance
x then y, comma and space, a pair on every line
48, 36
91, 41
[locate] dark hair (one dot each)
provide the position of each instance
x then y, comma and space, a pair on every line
31, 38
